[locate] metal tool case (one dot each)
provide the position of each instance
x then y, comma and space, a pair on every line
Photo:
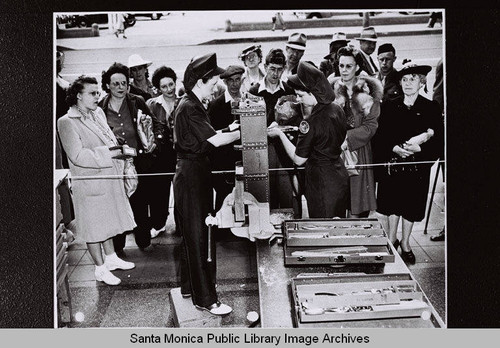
335, 241
361, 297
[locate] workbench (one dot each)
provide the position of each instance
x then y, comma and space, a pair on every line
275, 294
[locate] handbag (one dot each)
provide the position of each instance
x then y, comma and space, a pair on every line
145, 131
130, 177
287, 111
350, 159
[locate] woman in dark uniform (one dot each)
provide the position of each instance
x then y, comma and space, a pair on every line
194, 138
411, 129
321, 135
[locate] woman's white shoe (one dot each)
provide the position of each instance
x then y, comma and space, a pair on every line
104, 275
217, 308
115, 262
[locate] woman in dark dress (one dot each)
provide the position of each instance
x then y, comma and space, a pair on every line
194, 138
410, 129
321, 134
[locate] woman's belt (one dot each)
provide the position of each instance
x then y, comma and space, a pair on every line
323, 161
191, 156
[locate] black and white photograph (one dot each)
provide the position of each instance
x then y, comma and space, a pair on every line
250, 169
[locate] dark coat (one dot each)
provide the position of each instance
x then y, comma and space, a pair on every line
367, 67
405, 193
392, 87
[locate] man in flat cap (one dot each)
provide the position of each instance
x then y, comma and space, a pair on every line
219, 111
295, 48
386, 56
367, 44
194, 138
330, 65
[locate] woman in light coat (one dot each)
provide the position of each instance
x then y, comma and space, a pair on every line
102, 209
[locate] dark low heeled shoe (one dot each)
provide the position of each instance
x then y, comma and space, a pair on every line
438, 237
408, 256
396, 244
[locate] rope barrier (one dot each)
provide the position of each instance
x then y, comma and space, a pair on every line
358, 166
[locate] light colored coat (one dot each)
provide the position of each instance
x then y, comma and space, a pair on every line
102, 208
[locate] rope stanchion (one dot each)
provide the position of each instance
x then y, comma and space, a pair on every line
358, 166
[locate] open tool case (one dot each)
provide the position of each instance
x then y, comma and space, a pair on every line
335, 241
358, 297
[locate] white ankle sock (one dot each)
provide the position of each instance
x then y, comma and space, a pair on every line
112, 256
100, 268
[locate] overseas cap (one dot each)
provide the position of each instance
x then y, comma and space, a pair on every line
200, 67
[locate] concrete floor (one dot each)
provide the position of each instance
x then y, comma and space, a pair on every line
141, 300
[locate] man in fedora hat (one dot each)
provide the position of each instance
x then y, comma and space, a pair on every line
219, 111
330, 64
367, 44
295, 47
386, 56
141, 85
194, 138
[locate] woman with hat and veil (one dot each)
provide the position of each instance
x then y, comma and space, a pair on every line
410, 130
251, 57
194, 138
321, 135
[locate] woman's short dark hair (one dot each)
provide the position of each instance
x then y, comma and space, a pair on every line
349, 51
116, 68
276, 56
76, 87
162, 72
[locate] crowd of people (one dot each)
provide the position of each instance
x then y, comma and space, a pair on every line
349, 104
